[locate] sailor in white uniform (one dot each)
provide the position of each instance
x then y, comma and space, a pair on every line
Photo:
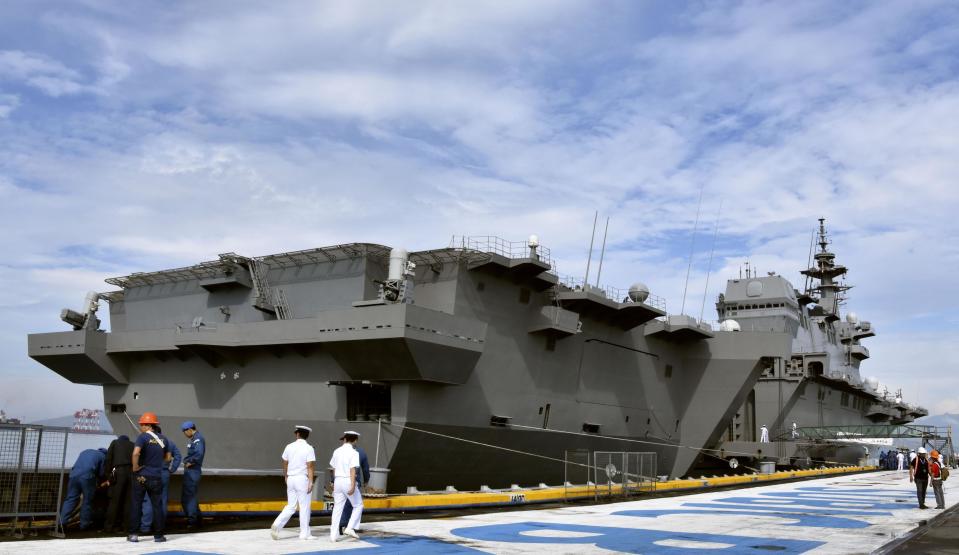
763, 434
299, 460
345, 464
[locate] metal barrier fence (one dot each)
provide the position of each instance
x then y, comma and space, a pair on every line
576, 468
632, 471
32, 462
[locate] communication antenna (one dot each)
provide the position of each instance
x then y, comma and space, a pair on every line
602, 253
812, 241
590, 257
692, 245
709, 267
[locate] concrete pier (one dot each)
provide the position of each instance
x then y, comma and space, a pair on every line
838, 514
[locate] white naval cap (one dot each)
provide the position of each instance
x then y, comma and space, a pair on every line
304, 428
349, 433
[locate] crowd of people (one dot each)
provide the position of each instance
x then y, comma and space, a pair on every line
925, 469
136, 476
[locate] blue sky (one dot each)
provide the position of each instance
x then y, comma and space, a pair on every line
147, 136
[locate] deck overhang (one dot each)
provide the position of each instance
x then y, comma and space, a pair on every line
597, 306
679, 328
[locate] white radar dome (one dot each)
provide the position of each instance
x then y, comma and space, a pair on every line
638, 292
852, 318
872, 383
729, 325
533, 241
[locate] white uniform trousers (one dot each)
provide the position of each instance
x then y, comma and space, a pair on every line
341, 486
296, 494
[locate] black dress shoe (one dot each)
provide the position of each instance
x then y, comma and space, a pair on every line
923, 507
159, 539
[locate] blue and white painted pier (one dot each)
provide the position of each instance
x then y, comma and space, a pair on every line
838, 514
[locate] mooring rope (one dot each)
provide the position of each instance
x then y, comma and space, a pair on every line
564, 461
659, 443
517, 451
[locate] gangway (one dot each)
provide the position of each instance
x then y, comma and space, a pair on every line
932, 437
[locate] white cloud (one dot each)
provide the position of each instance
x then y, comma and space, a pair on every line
8, 103
41, 72
325, 123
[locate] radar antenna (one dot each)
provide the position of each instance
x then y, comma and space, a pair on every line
602, 253
589, 258
709, 267
692, 246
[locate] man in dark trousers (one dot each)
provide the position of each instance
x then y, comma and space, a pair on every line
117, 469
192, 469
85, 476
919, 473
147, 518
362, 479
150, 454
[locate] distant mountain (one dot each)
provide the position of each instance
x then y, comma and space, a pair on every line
941, 420
62, 421
67, 422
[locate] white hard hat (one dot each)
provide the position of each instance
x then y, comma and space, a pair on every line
922, 450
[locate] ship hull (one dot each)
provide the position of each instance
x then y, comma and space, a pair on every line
510, 367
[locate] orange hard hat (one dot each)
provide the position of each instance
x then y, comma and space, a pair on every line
935, 453
149, 418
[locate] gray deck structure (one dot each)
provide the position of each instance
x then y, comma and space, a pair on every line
819, 384
477, 342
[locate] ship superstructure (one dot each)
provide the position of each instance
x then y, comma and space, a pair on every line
820, 384
469, 365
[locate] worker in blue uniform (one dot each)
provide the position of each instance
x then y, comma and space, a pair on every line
150, 454
147, 519
192, 468
87, 473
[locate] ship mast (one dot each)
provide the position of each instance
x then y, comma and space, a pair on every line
826, 271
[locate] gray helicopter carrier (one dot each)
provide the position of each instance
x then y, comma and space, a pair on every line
814, 403
469, 365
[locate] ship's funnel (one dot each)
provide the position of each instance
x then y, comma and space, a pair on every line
397, 264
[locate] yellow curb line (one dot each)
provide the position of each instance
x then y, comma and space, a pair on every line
423, 501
